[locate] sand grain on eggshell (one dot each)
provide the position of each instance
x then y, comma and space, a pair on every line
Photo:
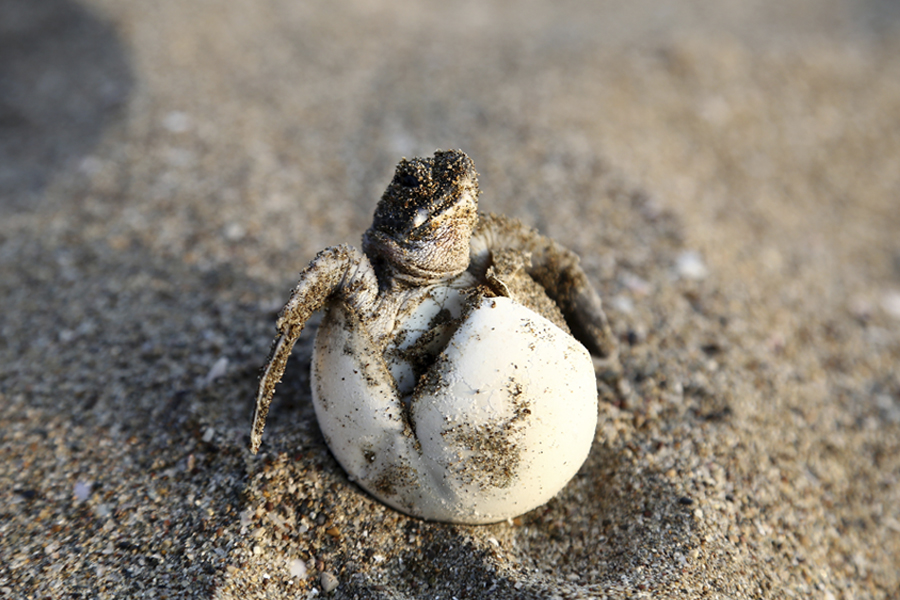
727, 175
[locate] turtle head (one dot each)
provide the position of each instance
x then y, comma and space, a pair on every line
425, 218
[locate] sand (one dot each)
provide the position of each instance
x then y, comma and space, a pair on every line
728, 173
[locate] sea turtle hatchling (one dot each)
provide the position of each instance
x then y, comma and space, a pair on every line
445, 378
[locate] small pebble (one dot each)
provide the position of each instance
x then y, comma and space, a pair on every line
234, 232
82, 490
247, 517
329, 581
219, 368
890, 302
690, 265
297, 569
208, 435
27, 494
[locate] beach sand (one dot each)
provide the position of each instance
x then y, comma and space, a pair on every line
728, 173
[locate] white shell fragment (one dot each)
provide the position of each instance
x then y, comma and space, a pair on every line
498, 425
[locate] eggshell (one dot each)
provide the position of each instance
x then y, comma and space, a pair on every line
496, 427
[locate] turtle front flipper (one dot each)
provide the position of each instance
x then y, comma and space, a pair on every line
340, 272
557, 270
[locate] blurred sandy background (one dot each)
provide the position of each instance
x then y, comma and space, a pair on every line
729, 172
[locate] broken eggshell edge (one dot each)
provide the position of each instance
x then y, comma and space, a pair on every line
504, 419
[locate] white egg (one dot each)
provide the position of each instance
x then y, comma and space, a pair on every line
498, 424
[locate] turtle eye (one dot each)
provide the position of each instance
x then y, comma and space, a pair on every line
408, 180
420, 218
